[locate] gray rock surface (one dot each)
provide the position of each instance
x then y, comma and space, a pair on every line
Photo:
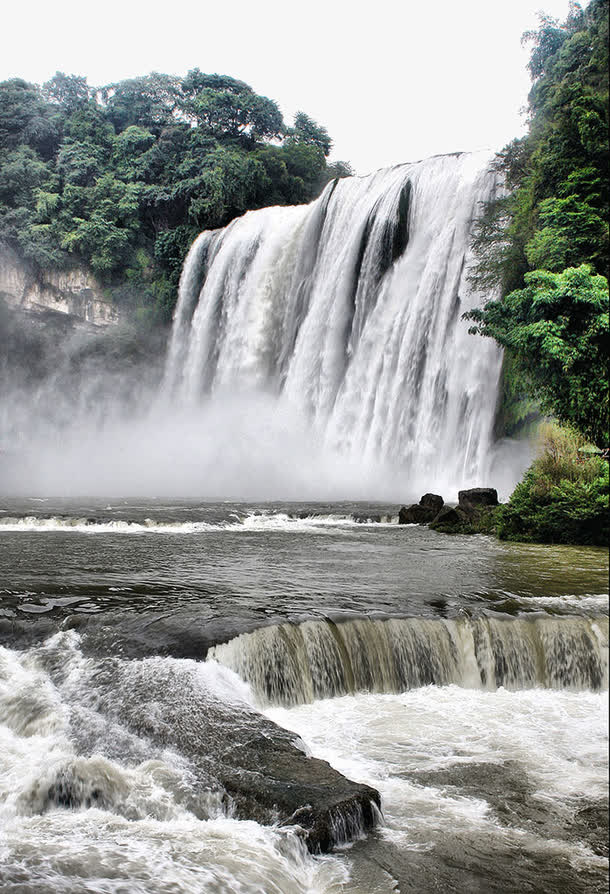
478, 496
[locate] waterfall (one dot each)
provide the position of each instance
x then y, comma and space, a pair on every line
348, 312
296, 663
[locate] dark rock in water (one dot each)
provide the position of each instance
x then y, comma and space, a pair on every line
452, 515
421, 513
478, 496
71, 790
467, 517
402, 516
432, 501
272, 775
233, 751
416, 515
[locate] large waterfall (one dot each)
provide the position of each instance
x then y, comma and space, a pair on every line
347, 313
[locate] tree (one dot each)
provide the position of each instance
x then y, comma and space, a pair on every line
542, 241
225, 107
25, 119
123, 177
556, 331
150, 102
69, 92
306, 130
556, 210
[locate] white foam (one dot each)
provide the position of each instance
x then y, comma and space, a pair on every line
263, 522
140, 837
559, 739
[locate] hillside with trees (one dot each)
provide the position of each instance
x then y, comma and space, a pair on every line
123, 177
543, 246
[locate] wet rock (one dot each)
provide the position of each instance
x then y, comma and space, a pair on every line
452, 515
366, 519
421, 513
467, 518
478, 496
432, 501
415, 515
271, 775
259, 767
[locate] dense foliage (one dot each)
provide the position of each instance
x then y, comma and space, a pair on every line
556, 328
535, 240
563, 497
124, 177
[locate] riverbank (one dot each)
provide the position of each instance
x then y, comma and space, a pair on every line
562, 498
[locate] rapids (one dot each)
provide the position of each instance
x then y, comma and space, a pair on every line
175, 678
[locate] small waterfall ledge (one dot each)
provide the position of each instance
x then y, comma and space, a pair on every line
290, 664
348, 312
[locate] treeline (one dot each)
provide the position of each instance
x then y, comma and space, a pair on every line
544, 244
123, 177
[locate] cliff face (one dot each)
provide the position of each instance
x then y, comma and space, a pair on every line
74, 293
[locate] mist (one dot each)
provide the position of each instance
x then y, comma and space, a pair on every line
81, 416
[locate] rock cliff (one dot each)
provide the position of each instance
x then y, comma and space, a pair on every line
74, 293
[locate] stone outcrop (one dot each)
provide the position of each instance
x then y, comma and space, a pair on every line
473, 514
74, 293
452, 515
421, 513
478, 497
258, 769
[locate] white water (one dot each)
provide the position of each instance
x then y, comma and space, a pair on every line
135, 832
254, 521
318, 353
325, 311
554, 741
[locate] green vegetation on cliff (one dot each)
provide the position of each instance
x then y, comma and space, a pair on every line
123, 177
543, 246
545, 243
563, 497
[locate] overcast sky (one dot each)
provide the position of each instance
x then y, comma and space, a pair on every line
392, 80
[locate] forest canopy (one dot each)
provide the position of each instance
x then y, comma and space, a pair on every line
123, 177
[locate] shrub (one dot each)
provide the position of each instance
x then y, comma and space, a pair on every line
563, 497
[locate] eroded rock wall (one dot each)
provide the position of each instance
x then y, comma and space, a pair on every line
74, 292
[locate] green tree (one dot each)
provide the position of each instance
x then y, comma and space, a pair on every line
25, 118
556, 331
555, 213
123, 177
552, 219
306, 130
225, 107
69, 92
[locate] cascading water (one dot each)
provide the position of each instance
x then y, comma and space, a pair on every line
348, 312
294, 664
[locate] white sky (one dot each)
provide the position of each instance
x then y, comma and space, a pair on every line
392, 80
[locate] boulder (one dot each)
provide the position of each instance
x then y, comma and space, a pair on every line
416, 514
432, 501
479, 497
452, 516
421, 513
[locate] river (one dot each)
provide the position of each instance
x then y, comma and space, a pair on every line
144, 641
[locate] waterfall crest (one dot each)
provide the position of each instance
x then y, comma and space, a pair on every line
348, 312
291, 664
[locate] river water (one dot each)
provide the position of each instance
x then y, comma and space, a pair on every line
464, 679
